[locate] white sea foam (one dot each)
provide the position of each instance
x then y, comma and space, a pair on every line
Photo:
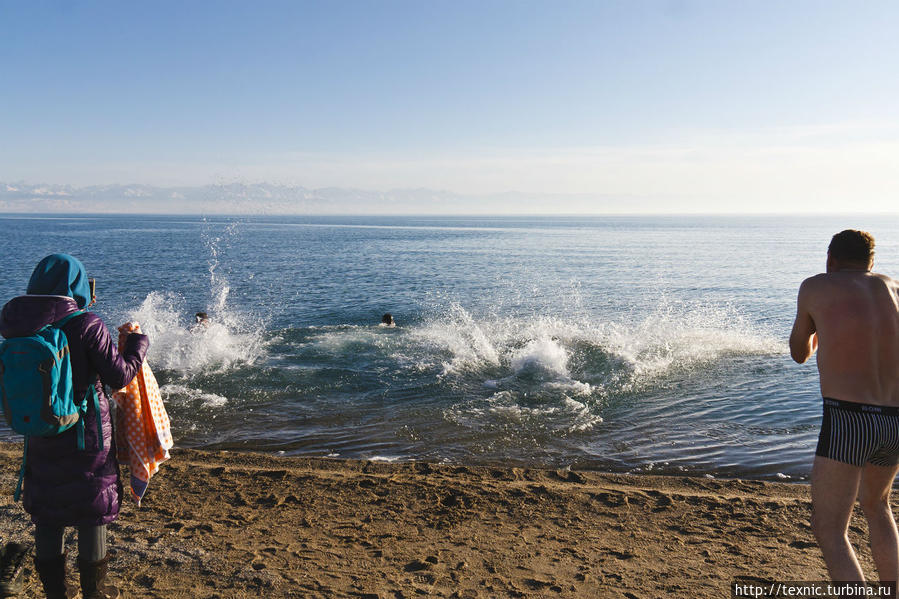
563, 369
182, 392
677, 338
609, 352
338, 340
384, 458
583, 419
459, 335
570, 387
505, 408
176, 343
542, 355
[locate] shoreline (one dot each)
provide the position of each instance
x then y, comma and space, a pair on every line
578, 463
243, 524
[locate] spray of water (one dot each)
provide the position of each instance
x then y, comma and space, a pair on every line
602, 353
216, 243
537, 370
179, 344
209, 400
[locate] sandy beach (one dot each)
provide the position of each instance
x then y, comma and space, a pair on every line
226, 524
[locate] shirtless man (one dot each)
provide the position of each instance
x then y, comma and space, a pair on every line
850, 315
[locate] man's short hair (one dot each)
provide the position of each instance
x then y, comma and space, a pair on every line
852, 245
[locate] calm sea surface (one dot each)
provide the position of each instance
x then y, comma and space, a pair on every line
644, 344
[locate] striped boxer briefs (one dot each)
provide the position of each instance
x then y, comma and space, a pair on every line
859, 434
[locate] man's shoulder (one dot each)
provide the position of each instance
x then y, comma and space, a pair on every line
823, 287
814, 282
886, 279
837, 287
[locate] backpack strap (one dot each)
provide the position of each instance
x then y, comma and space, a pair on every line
90, 390
79, 432
79, 426
93, 391
6, 411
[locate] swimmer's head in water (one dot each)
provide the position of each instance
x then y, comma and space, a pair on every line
852, 246
202, 317
387, 319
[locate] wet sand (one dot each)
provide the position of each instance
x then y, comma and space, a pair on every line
226, 524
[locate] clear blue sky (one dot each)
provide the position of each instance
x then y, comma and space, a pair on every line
699, 102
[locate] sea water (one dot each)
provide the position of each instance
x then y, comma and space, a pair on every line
642, 344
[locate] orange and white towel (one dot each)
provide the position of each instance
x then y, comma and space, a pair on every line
143, 433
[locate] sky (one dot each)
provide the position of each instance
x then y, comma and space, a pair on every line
679, 105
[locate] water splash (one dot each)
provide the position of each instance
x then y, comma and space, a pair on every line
217, 244
457, 333
543, 356
680, 337
178, 344
185, 393
228, 339
557, 373
609, 354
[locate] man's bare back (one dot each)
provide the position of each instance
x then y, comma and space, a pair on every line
850, 315
855, 315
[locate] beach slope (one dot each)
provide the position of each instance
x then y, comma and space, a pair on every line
227, 524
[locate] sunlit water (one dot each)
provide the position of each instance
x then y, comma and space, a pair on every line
646, 344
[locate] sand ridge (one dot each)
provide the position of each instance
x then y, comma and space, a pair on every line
229, 524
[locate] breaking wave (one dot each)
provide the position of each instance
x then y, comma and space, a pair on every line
610, 355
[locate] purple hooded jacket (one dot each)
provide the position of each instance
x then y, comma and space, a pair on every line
65, 486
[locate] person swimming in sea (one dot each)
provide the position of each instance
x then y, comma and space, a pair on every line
387, 320
201, 322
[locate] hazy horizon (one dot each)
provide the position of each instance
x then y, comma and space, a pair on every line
266, 199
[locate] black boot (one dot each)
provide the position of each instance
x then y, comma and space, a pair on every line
52, 573
93, 580
12, 568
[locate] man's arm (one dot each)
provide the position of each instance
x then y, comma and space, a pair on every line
803, 338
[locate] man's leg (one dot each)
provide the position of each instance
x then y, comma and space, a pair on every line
834, 489
874, 497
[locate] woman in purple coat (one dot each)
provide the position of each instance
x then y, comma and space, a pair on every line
65, 486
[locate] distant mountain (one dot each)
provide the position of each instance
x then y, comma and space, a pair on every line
232, 198
268, 198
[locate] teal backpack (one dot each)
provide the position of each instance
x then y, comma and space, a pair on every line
36, 388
